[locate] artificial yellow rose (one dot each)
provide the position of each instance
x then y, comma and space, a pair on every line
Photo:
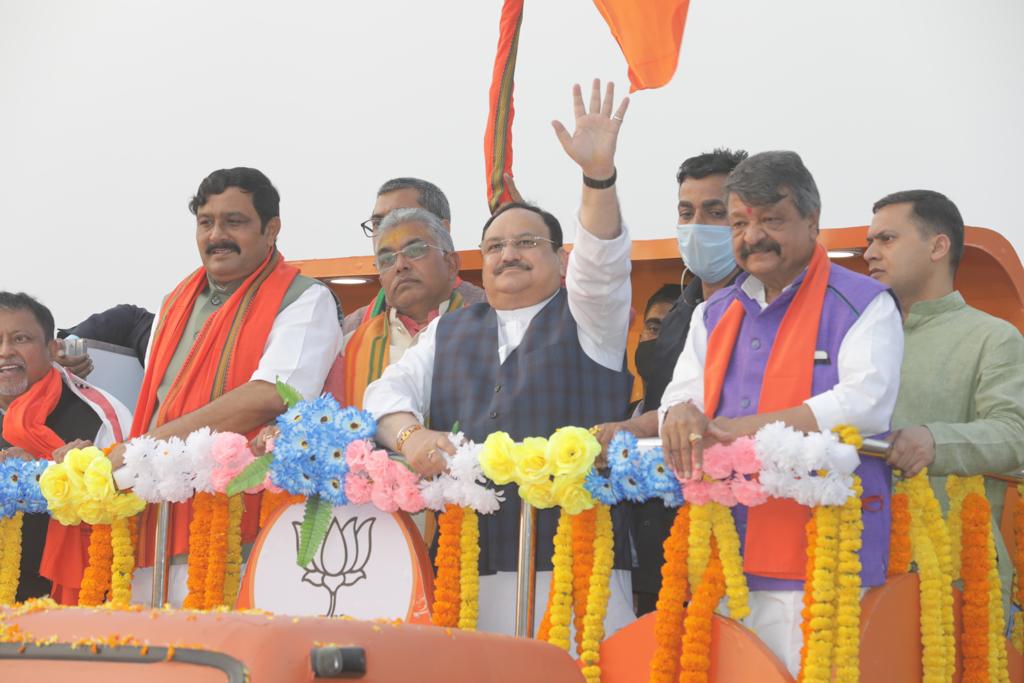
56, 486
539, 494
95, 512
78, 459
99, 483
126, 505
570, 495
532, 463
572, 451
497, 459
66, 515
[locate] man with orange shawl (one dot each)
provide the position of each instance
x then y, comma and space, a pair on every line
43, 409
225, 335
794, 339
415, 289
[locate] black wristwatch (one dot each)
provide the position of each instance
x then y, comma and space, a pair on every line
601, 184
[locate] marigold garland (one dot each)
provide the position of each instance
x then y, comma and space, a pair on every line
811, 532
96, 579
899, 537
198, 549
998, 667
447, 587
668, 625
598, 593
975, 569
10, 557
821, 633
699, 543
123, 563
1018, 562
955, 491
217, 551
584, 528
233, 559
695, 660
469, 571
561, 584
851, 529
723, 527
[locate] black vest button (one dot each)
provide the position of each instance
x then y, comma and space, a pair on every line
497, 388
494, 414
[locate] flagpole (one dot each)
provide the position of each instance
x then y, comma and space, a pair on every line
526, 575
161, 555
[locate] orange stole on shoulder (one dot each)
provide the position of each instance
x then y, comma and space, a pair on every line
67, 547
223, 357
775, 544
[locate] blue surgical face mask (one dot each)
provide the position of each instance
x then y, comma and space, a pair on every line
706, 250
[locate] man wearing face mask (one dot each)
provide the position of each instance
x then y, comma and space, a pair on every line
706, 248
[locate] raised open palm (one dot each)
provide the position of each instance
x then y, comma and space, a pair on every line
592, 144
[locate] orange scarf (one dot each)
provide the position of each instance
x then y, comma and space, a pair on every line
776, 543
67, 547
223, 356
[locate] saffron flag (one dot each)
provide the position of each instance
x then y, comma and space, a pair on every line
649, 34
498, 137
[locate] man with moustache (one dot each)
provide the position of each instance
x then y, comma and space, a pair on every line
795, 339
45, 410
536, 358
419, 276
226, 334
406, 193
705, 246
960, 409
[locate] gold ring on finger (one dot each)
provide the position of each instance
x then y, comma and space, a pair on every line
695, 437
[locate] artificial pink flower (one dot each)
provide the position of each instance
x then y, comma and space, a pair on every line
378, 465
357, 453
749, 492
357, 489
697, 492
220, 479
383, 495
408, 498
717, 462
402, 475
721, 493
231, 451
744, 456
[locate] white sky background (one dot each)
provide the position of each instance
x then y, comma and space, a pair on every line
111, 112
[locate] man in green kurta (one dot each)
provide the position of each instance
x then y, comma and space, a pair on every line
961, 403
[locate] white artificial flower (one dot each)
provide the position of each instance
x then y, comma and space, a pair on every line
433, 492
842, 458
815, 451
139, 456
198, 446
173, 471
835, 489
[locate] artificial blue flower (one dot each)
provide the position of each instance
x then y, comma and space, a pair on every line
358, 423
657, 475
10, 478
333, 490
600, 488
291, 477
627, 487
622, 449
30, 493
673, 499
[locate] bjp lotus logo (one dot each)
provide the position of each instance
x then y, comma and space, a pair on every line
342, 558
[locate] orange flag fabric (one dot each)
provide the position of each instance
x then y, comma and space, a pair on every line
649, 34
498, 136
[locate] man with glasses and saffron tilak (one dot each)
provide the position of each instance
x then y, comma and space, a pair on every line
415, 288
535, 358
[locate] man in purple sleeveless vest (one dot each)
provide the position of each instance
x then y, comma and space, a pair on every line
536, 358
774, 207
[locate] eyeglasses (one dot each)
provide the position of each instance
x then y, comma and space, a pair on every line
370, 225
411, 252
522, 243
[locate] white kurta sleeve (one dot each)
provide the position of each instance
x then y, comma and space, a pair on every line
600, 293
688, 377
870, 357
404, 387
303, 343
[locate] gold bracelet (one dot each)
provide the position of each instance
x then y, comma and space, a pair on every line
405, 433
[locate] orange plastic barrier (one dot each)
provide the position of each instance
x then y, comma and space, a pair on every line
271, 649
736, 654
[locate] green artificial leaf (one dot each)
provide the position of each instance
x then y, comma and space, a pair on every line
289, 394
315, 523
455, 427
253, 475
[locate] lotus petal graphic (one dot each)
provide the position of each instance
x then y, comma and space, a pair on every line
342, 558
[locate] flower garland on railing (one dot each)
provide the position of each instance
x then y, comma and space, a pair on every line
469, 571
81, 489
675, 591
726, 475
812, 469
974, 640
447, 585
19, 493
899, 536
373, 477
584, 529
695, 660
560, 616
634, 475
598, 593
1017, 636
851, 529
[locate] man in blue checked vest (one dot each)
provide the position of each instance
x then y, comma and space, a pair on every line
535, 358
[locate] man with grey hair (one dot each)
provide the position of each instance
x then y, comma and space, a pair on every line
406, 193
419, 269
795, 339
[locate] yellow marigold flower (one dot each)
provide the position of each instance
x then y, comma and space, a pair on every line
532, 462
56, 486
572, 451
497, 458
99, 484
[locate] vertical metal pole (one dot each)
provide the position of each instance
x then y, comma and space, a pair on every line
161, 555
526, 574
